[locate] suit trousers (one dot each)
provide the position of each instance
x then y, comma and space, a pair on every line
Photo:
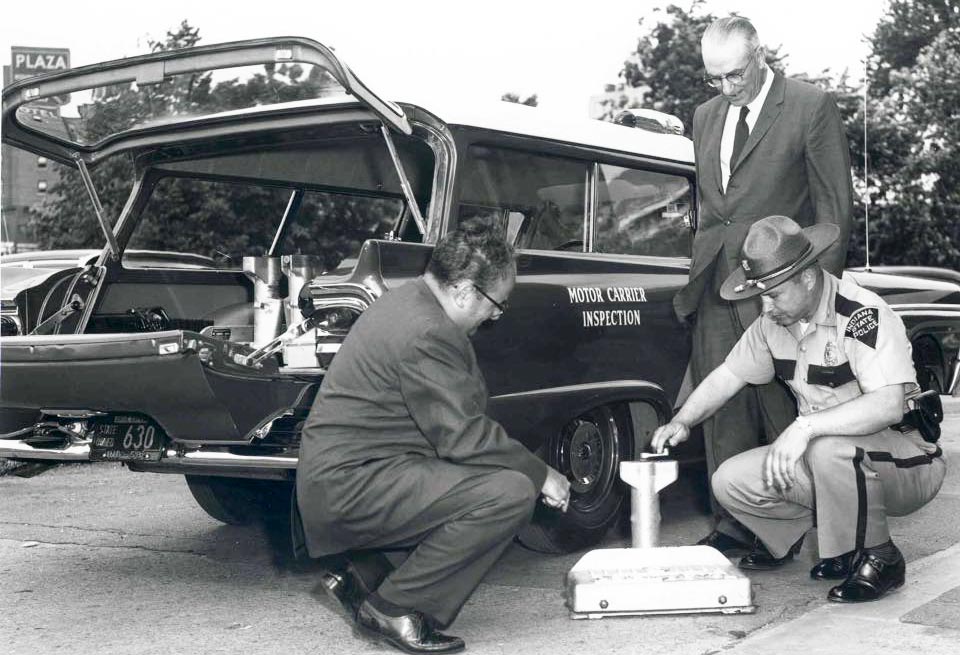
756, 414
850, 484
455, 540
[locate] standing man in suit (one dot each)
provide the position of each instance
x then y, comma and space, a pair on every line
397, 452
764, 145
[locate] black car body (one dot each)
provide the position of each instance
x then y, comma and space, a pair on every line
322, 205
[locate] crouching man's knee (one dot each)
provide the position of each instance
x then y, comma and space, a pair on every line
514, 493
722, 482
828, 451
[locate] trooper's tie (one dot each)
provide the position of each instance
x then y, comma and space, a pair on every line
740, 136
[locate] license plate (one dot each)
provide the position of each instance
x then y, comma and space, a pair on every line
123, 438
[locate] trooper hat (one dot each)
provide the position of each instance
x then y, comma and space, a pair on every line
776, 249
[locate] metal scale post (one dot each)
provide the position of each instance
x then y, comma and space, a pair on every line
647, 579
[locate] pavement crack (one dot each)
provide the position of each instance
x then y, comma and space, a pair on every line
188, 551
122, 533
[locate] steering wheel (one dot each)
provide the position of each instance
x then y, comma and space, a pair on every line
570, 244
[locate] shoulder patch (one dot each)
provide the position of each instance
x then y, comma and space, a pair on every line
864, 325
845, 306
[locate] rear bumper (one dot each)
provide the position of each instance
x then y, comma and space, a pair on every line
173, 461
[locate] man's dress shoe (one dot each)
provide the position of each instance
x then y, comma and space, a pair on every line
723, 542
833, 568
760, 559
411, 632
869, 579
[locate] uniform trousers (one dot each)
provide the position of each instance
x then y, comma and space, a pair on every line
850, 485
455, 540
755, 411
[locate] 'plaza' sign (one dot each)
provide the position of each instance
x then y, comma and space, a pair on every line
27, 62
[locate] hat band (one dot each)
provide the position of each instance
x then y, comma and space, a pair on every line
758, 282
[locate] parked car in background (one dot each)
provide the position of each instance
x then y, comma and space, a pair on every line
312, 208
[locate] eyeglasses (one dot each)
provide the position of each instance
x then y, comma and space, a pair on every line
502, 306
733, 77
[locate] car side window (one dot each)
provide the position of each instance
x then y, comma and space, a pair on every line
641, 212
537, 200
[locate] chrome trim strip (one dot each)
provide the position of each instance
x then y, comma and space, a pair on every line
21, 450
18, 449
226, 460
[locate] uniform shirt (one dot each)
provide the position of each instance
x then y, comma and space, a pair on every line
855, 344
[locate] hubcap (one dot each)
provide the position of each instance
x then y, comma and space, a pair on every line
586, 456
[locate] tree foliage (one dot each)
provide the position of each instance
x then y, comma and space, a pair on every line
913, 138
912, 121
665, 71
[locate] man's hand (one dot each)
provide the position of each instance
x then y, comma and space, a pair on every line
668, 435
556, 490
780, 464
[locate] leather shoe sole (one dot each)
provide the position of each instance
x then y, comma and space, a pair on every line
411, 633
760, 559
870, 579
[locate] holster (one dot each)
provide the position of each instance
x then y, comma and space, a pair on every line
925, 412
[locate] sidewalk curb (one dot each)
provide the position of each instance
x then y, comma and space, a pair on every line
868, 627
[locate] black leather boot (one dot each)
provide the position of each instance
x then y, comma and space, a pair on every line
833, 568
760, 559
876, 571
412, 632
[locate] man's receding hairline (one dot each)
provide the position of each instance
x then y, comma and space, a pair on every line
725, 29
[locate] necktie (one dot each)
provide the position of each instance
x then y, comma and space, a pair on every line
740, 136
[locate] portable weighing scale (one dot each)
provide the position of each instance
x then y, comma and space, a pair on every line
646, 579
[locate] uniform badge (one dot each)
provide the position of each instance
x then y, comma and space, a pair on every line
863, 326
830, 354
745, 264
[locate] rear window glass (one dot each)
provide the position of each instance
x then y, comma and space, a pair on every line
225, 221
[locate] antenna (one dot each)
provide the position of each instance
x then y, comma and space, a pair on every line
866, 178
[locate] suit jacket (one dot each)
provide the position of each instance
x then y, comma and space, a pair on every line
403, 398
796, 163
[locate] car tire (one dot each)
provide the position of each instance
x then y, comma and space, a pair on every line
236, 501
588, 450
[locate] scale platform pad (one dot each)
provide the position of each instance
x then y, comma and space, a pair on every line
666, 580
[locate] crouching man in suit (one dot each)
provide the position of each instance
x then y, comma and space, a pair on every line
846, 357
397, 452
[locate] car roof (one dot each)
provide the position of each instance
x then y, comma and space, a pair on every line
495, 116
559, 126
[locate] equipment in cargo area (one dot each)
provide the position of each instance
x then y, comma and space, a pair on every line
647, 579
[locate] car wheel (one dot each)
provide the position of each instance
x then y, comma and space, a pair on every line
588, 450
237, 501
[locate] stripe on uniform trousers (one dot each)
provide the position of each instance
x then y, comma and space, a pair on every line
909, 462
880, 456
861, 499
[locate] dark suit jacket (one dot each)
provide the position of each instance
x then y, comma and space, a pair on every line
796, 163
403, 398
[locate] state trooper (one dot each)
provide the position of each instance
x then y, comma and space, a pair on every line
840, 465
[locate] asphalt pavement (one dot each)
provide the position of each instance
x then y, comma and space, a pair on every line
94, 558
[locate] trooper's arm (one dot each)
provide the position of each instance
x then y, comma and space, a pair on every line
718, 387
